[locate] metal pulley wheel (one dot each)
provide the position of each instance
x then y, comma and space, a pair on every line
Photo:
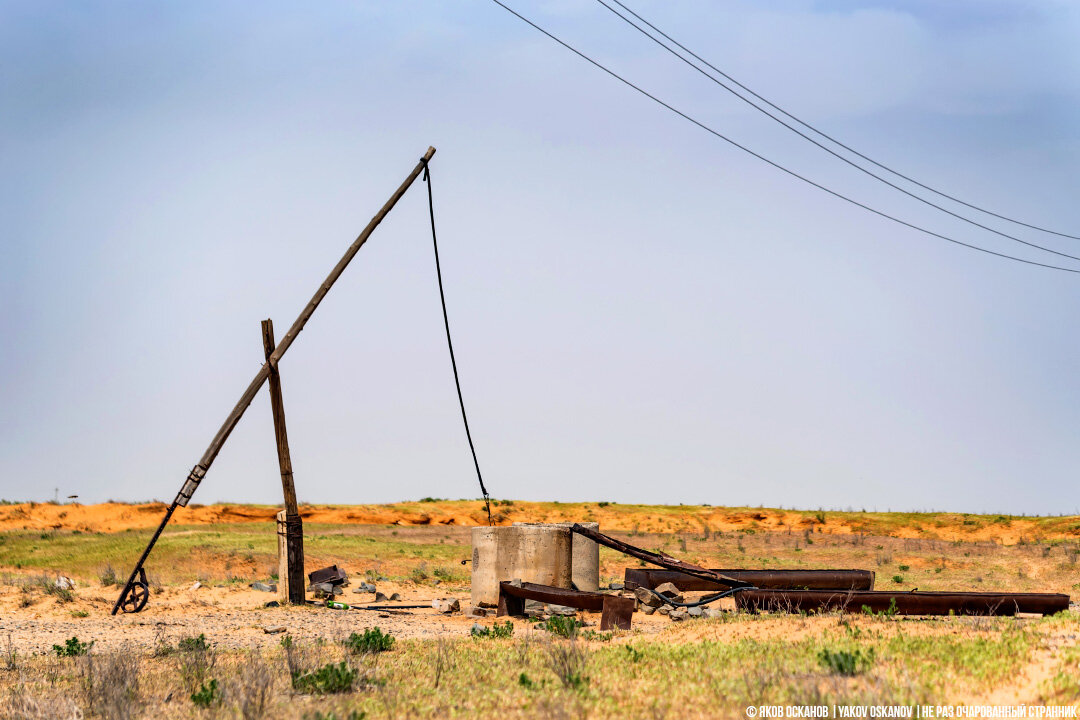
137, 595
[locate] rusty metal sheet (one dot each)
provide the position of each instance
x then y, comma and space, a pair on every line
774, 579
332, 575
902, 603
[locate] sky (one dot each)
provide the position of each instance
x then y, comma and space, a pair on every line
641, 312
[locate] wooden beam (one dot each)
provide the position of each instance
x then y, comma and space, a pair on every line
280, 434
290, 528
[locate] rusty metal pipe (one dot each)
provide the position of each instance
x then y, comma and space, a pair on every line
902, 603
763, 579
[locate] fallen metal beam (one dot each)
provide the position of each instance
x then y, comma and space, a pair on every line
901, 603
664, 561
615, 610
772, 579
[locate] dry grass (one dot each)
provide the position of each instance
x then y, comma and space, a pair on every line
698, 669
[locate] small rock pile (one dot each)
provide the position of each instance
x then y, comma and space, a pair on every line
328, 581
654, 602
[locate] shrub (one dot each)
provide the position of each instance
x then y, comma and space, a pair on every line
193, 644
110, 683
251, 688
845, 662
195, 660
208, 694
497, 630
568, 661
903, 568
419, 573
447, 574
72, 648
898, 579
328, 679
108, 577
562, 625
372, 641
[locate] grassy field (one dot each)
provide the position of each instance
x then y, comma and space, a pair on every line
692, 670
695, 669
247, 551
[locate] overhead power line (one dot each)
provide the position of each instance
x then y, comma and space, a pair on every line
810, 127
773, 163
827, 149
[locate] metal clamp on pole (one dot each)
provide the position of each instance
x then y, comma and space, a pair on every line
190, 486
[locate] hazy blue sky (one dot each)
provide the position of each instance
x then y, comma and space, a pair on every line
642, 313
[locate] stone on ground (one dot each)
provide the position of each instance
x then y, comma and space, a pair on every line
671, 592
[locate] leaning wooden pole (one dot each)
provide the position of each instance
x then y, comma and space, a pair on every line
199, 471
289, 525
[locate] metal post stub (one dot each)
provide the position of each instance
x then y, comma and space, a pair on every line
190, 485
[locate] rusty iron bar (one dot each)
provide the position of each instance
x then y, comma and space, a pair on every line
763, 579
664, 561
615, 610
902, 603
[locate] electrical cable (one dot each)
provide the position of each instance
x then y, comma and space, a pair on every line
450, 343
774, 164
704, 600
825, 135
827, 149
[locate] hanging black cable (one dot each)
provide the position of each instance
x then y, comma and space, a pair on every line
773, 163
827, 149
450, 343
816, 130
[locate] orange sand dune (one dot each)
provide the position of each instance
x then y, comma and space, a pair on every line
115, 517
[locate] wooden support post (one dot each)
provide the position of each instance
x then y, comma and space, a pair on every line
290, 528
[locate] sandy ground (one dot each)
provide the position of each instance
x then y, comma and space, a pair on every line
235, 617
116, 517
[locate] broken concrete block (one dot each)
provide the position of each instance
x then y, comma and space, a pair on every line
671, 592
561, 610
647, 598
446, 605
